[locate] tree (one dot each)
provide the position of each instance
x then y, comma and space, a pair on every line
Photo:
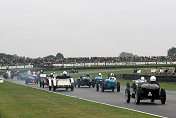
59, 55
171, 52
50, 56
126, 54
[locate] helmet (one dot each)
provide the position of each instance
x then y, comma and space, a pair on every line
152, 78
100, 74
64, 72
111, 74
33, 72
142, 78
41, 71
54, 72
51, 74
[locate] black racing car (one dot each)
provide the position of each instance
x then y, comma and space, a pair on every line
141, 90
83, 81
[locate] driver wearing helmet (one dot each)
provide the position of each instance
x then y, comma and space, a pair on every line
41, 71
64, 73
153, 80
100, 74
143, 79
51, 75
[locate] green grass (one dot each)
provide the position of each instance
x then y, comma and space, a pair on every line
17, 101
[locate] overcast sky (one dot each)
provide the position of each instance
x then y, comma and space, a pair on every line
84, 28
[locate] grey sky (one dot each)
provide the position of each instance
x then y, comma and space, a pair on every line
37, 28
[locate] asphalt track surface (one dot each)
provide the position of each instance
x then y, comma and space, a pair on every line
118, 99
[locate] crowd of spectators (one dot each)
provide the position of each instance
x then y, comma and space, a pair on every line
70, 60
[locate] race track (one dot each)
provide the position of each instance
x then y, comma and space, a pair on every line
118, 99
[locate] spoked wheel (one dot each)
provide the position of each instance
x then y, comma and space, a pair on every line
43, 84
93, 85
66, 88
97, 86
49, 88
54, 88
118, 86
40, 84
163, 96
137, 97
72, 88
127, 95
102, 87
79, 83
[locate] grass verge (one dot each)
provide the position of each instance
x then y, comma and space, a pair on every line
17, 101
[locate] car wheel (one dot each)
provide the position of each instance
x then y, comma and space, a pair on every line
72, 88
97, 86
43, 84
163, 96
66, 88
137, 97
26, 82
93, 85
118, 86
102, 87
127, 95
79, 83
54, 88
40, 84
49, 88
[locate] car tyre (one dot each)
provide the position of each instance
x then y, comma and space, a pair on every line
137, 97
54, 88
97, 86
43, 84
40, 84
72, 88
49, 88
102, 87
66, 88
118, 86
163, 96
79, 83
127, 95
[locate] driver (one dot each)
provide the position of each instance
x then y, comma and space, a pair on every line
51, 75
153, 80
143, 79
100, 74
64, 73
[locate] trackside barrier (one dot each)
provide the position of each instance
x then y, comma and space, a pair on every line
15, 67
120, 63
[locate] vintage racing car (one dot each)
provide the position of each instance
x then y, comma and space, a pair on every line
109, 84
61, 81
142, 90
73, 71
97, 80
30, 80
43, 80
83, 81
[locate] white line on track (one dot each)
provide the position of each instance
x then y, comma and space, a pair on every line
94, 101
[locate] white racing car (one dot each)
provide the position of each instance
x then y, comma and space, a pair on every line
61, 81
